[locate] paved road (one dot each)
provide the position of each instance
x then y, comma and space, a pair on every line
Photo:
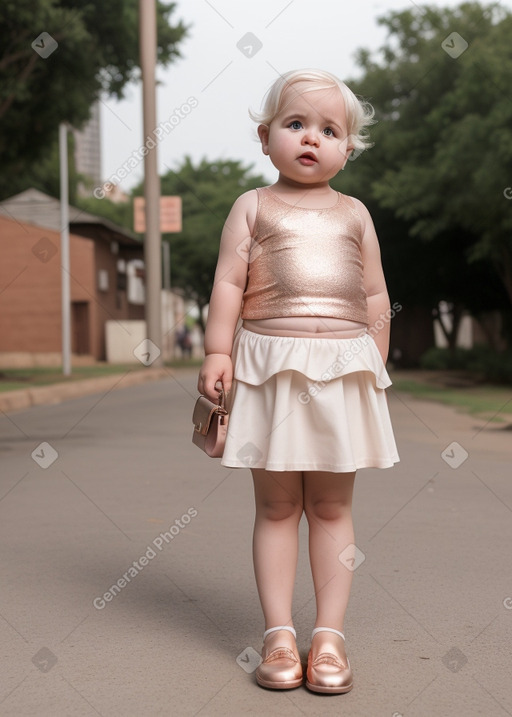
129, 502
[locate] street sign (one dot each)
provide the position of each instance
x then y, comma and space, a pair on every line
170, 215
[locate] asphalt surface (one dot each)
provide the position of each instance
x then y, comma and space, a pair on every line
127, 584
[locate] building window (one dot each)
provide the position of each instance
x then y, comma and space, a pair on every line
136, 281
102, 280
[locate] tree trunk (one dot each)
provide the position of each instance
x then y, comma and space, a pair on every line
504, 269
488, 331
451, 332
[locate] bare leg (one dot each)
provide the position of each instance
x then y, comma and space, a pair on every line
279, 505
328, 507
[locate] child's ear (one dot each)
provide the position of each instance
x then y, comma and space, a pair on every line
348, 153
263, 132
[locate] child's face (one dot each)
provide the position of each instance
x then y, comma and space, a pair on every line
307, 141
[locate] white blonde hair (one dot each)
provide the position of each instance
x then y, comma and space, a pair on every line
360, 114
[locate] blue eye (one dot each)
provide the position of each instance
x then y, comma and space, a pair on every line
329, 132
295, 124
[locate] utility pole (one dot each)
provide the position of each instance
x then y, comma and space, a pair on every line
152, 244
64, 250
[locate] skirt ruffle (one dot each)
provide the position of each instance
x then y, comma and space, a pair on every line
308, 404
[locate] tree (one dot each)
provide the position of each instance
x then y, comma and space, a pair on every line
45, 173
208, 191
120, 213
444, 145
97, 54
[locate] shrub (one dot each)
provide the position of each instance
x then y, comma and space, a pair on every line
482, 360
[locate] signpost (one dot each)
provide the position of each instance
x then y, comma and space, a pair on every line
170, 222
64, 250
152, 243
170, 214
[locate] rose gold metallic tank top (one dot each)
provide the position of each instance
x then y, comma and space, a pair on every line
305, 262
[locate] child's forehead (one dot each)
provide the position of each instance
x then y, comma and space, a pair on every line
312, 100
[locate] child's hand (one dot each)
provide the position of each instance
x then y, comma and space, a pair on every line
215, 368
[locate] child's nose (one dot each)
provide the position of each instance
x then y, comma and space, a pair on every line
311, 136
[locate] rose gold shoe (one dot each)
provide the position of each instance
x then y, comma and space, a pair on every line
281, 668
329, 669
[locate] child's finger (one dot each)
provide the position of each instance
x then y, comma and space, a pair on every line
210, 391
227, 380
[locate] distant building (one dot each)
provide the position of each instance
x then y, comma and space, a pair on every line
106, 280
115, 194
88, 152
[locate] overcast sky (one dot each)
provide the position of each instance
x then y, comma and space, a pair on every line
223, 80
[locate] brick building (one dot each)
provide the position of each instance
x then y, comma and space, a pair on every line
106, 267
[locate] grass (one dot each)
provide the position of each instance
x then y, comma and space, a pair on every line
12, 379
488, 402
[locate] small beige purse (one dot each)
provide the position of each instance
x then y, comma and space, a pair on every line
210, 425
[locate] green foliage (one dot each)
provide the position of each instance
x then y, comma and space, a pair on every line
208, 191
481, 360
120, 213
490, 403
444, 132
435, 178
98, 52
45, 174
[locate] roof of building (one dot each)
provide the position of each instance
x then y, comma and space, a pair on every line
35, 207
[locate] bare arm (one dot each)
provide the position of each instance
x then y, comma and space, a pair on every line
374, 284
226, 298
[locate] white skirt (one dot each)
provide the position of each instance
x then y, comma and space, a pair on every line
308, 404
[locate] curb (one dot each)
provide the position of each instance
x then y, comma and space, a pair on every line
58, 392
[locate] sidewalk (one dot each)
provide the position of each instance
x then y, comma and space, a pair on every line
56, 392
127, 584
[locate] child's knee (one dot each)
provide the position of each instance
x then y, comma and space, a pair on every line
280, 510
326, 510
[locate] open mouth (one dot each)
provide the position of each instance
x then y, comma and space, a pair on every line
307, 158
